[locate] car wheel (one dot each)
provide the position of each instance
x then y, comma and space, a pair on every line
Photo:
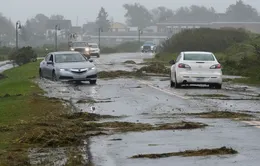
218, 86
40, 74
98, 55
176, 85
172, 84
93, 82
54, 77
78, 82
211, 86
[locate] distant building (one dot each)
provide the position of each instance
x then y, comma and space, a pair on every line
149, 29
76, 29
133, 29
119, 27
90, 27
64, 25
221, 21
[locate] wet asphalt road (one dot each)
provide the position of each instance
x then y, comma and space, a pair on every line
153, 101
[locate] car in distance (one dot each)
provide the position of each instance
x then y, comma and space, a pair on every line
94, 49
196, 67
68, 66
148, 47
82, 47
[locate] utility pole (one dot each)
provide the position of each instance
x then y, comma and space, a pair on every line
99, 33
139, 35
17, 27
57, 27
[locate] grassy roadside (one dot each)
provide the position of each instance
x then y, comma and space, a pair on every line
20, 104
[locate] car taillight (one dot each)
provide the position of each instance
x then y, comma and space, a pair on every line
182, 65
217, 66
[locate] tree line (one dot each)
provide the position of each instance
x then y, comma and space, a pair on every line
137, 15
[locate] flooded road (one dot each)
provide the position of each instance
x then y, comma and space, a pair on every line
153, 101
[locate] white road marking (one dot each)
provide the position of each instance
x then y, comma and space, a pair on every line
253, 123
164, 90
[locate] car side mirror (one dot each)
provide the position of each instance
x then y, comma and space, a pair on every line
49, 63
172, 62
91, 60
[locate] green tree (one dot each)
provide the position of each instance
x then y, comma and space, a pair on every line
26, 31
137, 15
195, 13
23, 55
38, 24
161, 14
241, 12
7, 29
57, 17
102, 20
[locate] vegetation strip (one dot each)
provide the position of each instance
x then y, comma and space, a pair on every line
222, 115
155, 68
209, 95
190, 153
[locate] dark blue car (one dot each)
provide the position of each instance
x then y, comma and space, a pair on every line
148, 47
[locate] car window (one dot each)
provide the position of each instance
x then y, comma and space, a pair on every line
69, 58
47, 57
93, 46
198, 57
79, 44
51, 58
178, 58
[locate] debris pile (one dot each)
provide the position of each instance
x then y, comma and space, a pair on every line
190, 153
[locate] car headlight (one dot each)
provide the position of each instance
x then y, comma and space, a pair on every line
72, 49
142, 47
92, 68
64, 69
87, 49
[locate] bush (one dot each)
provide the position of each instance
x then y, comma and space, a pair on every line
242, 59
23, 55
204, 39
4, 52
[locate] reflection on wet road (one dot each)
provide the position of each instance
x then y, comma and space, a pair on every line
153, 101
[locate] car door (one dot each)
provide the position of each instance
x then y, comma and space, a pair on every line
43, 65
173, 68
50, 67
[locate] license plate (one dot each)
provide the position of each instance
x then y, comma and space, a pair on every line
200, 79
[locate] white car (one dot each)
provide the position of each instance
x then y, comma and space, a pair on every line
94, 49
196, 68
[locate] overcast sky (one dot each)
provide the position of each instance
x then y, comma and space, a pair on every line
87, 10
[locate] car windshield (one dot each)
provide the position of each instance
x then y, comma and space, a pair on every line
94, 46
79, 44
151, 43
198, 57
68, 58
